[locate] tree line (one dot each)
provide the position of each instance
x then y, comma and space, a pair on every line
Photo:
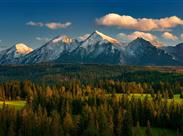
17, 90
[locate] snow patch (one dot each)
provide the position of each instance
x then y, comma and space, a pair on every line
22, 48
105, 37
63, 38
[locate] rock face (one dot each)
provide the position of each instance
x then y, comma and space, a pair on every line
94, 48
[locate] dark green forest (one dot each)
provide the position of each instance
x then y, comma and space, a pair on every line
91, 100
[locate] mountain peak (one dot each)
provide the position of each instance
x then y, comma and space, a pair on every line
141, 41
21, 48
14, 53
62, 38
105, 37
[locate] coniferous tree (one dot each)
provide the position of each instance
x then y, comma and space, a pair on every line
127, 124
117, 122
11, 131
137, 130
55, 125
68, 124
91, 130
148, 131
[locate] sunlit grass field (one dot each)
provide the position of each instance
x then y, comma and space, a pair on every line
20, 104
13, 104
176, 98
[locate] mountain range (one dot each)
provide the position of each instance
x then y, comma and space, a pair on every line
96, 48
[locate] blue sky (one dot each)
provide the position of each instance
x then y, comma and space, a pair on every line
31, 22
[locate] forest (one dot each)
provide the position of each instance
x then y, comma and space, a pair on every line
91, 100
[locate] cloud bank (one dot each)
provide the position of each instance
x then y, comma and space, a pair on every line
50, 25
170, 36
147, 36
140, 24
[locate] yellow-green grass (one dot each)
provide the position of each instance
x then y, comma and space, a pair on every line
176, 98
13, 104
157, 131
20, 104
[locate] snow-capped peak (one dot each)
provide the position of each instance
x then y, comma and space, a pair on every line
22, 48
14, 53
82, 38
105, 37
62, 38
98, 38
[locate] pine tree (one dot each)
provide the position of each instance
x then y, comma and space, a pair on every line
127, 124
181, 131
55, 125
11, 131
181, 94
103, 124
137, 130
148, 129
68, 124
117, 122
171, 95
91, 129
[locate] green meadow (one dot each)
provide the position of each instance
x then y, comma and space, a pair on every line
13, 104
176, 98
19, 104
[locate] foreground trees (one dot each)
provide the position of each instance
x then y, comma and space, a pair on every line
85, 110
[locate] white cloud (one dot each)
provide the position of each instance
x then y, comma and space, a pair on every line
57, 25
122, 37
42, 39
147, 36
31, 23
50, 25
142, 24
168, 35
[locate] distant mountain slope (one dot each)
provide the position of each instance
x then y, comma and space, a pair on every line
97, 48
142, 52
14, 53
51, 50
176, 52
